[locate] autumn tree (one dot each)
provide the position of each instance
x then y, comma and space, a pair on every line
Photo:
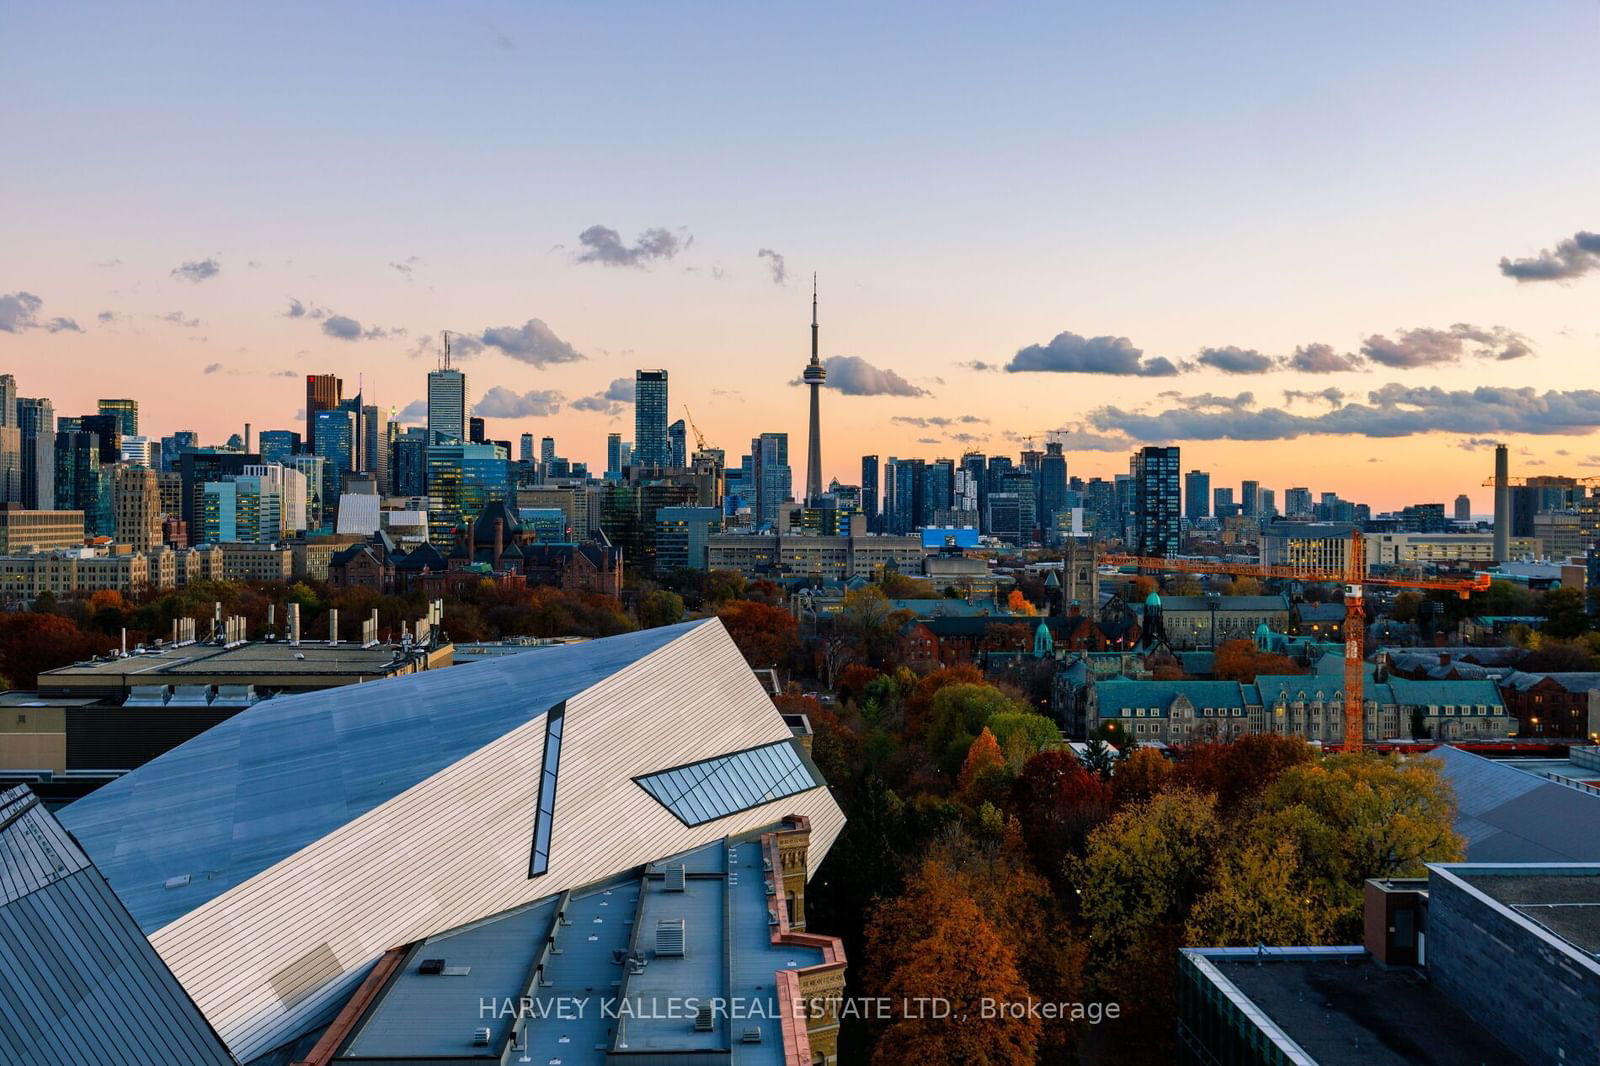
943, 947
982, 769
1017, 603
766, 635
919, 703
1238, 771
1354, 817
658, 607
958, 713
32, 643
871, 624
1142, 872
1058, 803
722, 586
1139, 776
1258, 896
1241, 660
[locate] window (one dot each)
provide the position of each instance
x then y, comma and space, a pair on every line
539, 861
715, 788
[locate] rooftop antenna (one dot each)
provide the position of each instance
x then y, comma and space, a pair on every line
445, 336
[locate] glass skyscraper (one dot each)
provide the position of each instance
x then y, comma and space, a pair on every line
1157, 500
448, 411
462, 478
651, 446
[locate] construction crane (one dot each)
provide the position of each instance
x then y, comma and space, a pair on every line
699, 438
1353, 577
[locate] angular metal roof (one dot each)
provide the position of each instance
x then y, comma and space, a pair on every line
254, 790
78, 980
1511, 815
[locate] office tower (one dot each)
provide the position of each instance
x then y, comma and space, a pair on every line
448, 410
678, 444
1052, 483
411, 463
814, 376
278, 444
141, 451
938, 489
650, 445
1463, 508
10, 442
525, 448
870, 497
200, 465
36, 427
1196, 495
82, 484
126, 412
965, 492
772, 479
136, 507
976, 465
107, 429
177, 443
999, 466
1250, 499
1222, 502
1297, 503
1003, 516
336, 444
375, 444
547, 449
613, 455
462, 480
906, 481
324, 392
1158, 500
1266, 503
475, 430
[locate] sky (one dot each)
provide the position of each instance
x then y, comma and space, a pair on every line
1340, 246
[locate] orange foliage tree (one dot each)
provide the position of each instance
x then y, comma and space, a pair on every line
1241, 660
766, 635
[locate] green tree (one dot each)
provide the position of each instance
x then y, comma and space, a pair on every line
1565, 613
657, 608
1023, 734
958, 714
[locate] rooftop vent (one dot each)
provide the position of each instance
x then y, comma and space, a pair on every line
431, 967
752, 1035
480, 1037
702, 1019
675, 878
669, 937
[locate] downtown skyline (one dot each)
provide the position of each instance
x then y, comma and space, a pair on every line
969, 232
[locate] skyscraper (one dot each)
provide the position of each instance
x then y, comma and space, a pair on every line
1250, 499
324, 392
136, 506
815, 374
774, 483
547, 450
10, 442
678, 444
36, 424
476, 430
650, 444
613, 455
1157, 500
1463, 508
336, 444
127, 411
1052, 483
525, 448
870, 496
448, 411
1196, 495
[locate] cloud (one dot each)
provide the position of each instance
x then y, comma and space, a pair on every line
345, 328
197, 270
603, 245
1232, 360
405, 266
1571, 258
415, 411
1392, 410
929, 440
780, 270
1210, 401
980, 365
298, 310
1473, 444
939, 421
967, 438
1068, 353
854, 376
1083, 440
284, 374
107, 264
18, 311
1436, 347
1330, 395
63, 325
107, 316
177, 319
617, 395
501, 402
1321, 359
212, 368
532, 342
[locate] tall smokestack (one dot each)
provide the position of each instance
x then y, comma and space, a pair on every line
1502, 504
247, 437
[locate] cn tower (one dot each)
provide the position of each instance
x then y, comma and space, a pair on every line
814, 376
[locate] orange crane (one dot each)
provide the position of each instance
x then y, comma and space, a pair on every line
1353, 577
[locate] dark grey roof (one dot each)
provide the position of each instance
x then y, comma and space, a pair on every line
1511, 815
78, 980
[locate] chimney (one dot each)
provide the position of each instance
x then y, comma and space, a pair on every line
333, 625
1502, 505
272, 617
247, 438
294, 624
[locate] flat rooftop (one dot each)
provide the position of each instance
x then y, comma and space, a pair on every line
1565, 904
584, 971
1346, 1011
189, 663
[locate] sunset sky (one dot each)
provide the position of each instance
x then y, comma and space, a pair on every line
1102, 221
